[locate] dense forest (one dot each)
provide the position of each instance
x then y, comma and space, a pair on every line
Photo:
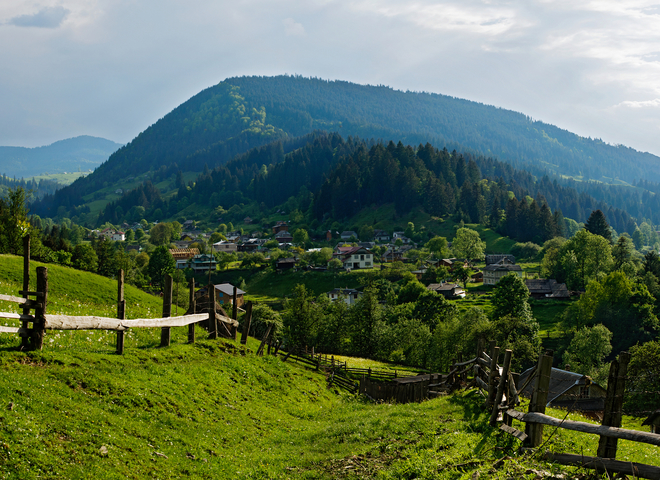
332, 179
238, 114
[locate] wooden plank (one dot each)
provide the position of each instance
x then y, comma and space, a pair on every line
483, 385
165, 332
67, 322
635, 470
539, 399
38, 326
16, 316
11, 298
462, 364
614, 405
225, 319
121, 311
492, 374
14, 330
613, 432
522, 436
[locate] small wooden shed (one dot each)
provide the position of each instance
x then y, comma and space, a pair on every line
653, 421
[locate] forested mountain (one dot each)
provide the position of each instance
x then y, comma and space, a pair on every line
241, 113
332, 179
71, 155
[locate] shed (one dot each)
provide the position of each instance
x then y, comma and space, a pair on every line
224, 293
547, 288
449, 290
653, 421
569, 390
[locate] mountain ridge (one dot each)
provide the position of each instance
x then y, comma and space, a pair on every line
83, 152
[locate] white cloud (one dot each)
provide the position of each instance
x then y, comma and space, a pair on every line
47, 17
655, 103
293, 28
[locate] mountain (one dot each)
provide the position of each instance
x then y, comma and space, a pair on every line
71, 155
246, 112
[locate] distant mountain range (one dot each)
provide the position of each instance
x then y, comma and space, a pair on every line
71, 155
238, 114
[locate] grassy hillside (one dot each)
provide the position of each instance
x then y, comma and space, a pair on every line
215, 410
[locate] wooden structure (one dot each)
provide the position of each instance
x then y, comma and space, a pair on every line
653, 421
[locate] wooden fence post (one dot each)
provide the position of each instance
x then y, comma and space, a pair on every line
539, 399
25, 344
500, 388
121, 311
492, 374
165, 333
192, 309
213, 324
247, 320
614, 404
234, 305
39, 323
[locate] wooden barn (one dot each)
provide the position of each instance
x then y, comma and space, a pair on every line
570, 390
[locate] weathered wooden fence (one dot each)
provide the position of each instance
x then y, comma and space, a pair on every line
34, 325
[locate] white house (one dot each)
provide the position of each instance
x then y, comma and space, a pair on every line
348, 295
225, 246
355, 257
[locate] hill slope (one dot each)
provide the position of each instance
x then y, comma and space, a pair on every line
70, 155
241, 113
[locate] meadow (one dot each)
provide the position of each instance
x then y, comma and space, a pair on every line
213, 409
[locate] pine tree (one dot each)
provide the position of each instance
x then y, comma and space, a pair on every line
597, 224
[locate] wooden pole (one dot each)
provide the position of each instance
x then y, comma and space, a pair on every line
635, 470
247, 320
25, 344
192, 309
165, 333
121, 311
235, 305
213, 324
492, 374
616, 384
39, 323
539, 399
500, 388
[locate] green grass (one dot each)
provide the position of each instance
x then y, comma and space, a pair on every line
215, 410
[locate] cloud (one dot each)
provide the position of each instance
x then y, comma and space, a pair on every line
293, 28
47, 17
655, 103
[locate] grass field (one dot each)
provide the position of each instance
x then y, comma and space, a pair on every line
214, 410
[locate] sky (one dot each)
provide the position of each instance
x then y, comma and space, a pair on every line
111, 68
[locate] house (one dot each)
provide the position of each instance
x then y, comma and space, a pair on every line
477, 277
355, 257
392, 254
547, 288
224, 294
285, 263
184, 253
496, 258
367, 245
280, 226
402, 237
569, 390
252, 245
119, 191
348, 295
348, 234
283, 236
493, 273
182, 243
653, 421
247, 220
233, 236
448, 290
118, 236
203, 263
188, 225
225, 246
381, 236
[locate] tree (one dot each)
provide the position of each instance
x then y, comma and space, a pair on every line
301, 317
462, 273
597, 224
438, 247
587, 351
624, 307
643, 378
510, 297
223, 259
161, 234
300, 236
363, 317
468, 245
161, 263
622, 251
130, 236
13, 221
84, 258
582, 258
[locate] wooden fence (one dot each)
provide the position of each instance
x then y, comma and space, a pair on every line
34, 325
